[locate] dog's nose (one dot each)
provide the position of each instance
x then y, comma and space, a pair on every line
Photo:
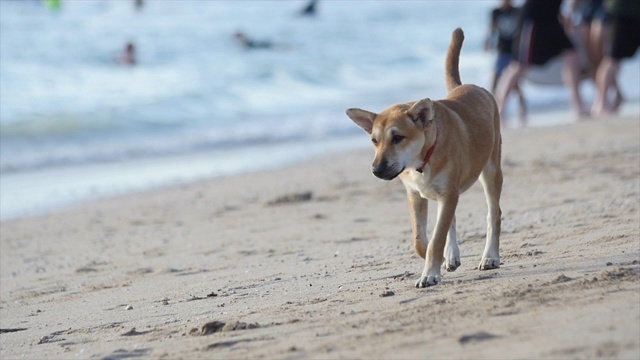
379, 170
384, 171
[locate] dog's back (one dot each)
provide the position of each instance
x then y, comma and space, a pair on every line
475, 111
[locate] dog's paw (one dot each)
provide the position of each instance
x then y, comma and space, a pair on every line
451, 259
427, 280
489, 263
451, 264
451, 255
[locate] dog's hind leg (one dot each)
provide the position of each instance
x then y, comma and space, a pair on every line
418, 207
491, 179
451, 250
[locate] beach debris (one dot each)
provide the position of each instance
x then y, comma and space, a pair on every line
133, 332
620, 273
10, 330
49, 339
479, 336
292, 198
238, 325
561, 279
534, 252
128, 307
220, 326
208, 296
85, 269
208, 328
387, 293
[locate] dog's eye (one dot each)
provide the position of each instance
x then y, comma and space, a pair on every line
397, 139
374, 141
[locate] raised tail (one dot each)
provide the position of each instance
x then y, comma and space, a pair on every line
452, 74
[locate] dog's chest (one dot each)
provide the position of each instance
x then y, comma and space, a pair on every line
429, 187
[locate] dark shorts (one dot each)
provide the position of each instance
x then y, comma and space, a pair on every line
625, 37
591, 12
541, 42
502, 62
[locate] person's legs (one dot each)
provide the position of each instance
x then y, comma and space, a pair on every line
523, 105
585, 45
618, 98
602, 37
494, 83
571, 78
503, 60
605, 80
598, 36
508, 83
625, 41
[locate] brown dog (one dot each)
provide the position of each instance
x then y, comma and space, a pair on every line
439, 149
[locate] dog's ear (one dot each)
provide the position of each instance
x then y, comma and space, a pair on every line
362, 118
422, 112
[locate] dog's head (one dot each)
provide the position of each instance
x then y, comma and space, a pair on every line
399, 134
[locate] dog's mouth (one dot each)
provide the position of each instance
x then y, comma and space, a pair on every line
386, 173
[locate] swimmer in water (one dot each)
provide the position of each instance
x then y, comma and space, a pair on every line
309, 9
128, 56
247, 43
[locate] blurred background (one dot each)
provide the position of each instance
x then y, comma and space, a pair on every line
104, 97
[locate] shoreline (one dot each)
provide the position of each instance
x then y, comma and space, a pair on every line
44, 191
314, 260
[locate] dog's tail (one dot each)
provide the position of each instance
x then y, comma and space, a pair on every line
452, 74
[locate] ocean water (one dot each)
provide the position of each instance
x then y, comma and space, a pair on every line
75, 125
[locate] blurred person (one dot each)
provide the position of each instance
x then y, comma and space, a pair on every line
592, 26
542, 37
248, 43
310, 8
625, 40
128, 56
502, 30
53, 5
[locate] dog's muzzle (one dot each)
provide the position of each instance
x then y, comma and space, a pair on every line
385, 172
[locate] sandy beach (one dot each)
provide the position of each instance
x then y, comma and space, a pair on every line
315, 261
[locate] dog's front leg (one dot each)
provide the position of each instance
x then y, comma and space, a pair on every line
451, 249
418, 207
435, 249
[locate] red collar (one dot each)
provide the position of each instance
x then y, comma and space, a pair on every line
429, 153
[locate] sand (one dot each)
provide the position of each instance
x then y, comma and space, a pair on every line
315, 261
